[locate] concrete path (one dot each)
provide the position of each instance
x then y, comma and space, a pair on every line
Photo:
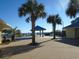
48, 49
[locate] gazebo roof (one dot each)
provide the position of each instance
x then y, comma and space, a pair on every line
38, 28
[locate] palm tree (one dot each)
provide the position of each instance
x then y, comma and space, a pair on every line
13, 34
35, 11
72, 9
54, 19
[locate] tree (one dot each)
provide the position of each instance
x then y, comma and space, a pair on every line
18, 33
73, 8
35, 11
54, 19
13, 34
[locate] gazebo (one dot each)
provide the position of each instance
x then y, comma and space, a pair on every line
41, 29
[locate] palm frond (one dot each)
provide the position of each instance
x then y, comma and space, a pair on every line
32, 8
58, 19
54, 19
28, 19
71, 10
50, 19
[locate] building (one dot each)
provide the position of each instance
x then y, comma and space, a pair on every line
72, 30
3, 26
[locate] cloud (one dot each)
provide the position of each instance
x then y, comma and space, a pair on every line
63, 3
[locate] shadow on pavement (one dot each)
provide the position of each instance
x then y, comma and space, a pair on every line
14, 50
73, 42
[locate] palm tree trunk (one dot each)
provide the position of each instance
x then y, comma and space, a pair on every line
54, 27
33, 32
13, 37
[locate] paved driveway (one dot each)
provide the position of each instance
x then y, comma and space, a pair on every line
48, 49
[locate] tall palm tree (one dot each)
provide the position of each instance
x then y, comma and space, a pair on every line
35, 11
72, 9
54, 19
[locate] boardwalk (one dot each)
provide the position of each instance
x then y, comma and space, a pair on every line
48, 49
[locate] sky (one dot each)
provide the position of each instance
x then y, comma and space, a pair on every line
9, 13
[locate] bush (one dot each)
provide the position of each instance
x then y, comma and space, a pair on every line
5, 41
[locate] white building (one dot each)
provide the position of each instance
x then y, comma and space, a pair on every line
3, 26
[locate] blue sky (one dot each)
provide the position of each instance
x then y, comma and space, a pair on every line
9, 13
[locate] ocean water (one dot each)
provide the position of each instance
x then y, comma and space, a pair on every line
23, 38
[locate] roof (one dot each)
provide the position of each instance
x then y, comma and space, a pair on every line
37, 28
74, 25
3, 25
76, 20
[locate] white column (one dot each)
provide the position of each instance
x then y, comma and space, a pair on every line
0, 37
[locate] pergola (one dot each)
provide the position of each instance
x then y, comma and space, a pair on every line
40, 29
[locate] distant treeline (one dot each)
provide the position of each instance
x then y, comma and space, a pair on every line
58, 33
